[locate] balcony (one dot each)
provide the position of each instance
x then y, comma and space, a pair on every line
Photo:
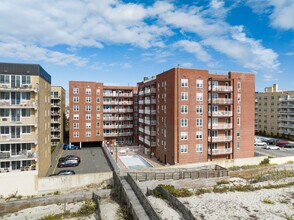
141, 120
153, 133
147, 91
55, 121
221, 101
153, 101
147, 142
221, 113
25, 88
141, 139
55, 137
7, 139
286, 119
221, 126
54, 129
141, 111
22, 121
286, 112
22, 104
141, 92
141, 102
141, 129
147, 101
118, 134
55, 104
220, 139
147, 111
117, 103
220, 151
118, 95
21, 155
55, 113
286, 106
55, 97
221, 88
288, 98
286, 125
153, 90
146, 131
153, 112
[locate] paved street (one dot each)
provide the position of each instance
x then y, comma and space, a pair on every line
92, 161
283, 152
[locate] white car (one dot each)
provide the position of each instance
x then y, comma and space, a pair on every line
260, 143
272, 147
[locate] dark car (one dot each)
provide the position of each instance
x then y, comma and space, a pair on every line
288, 146
70, 147
271, 141
281, 143
68, 163
71, 157
66, 172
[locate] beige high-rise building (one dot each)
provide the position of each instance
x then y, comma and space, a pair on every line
272, 111
25, 118
57, 115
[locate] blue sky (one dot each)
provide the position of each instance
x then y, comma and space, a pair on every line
120, 42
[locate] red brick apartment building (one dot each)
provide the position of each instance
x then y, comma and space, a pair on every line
101, 113
190, 116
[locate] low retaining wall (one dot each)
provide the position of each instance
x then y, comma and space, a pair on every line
63, 183
177, 204
24, 183
143, 199
110, 158
281, 160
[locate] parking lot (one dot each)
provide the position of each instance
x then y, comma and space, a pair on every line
283, 152
92, 161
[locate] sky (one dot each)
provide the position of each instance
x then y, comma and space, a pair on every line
120, 42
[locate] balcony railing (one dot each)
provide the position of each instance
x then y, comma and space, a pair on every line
118, 134
286, 112
55, 104
117, 102
141, 139
147, 111
153, 133
221, 101
286, 119
289, 98
153, 101
153, 90
286, 106
55, 137
141, 120
221, 88
55, 121
153, 112
29, 122
7, 87
221, 126
221, 113
148, 132
22, 104
147, 91
220, 151
220, 139
141, 102
55, 113
118, 94
141, 129
21, 155
117, 118
286, 125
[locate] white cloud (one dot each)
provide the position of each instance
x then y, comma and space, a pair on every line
34, 53
187, 65
269, 78
157, 55
280, 12
194, 48
290, 54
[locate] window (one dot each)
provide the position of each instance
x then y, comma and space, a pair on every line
76, 134
184, 95
198, 135
76, 117
88, 91
4, 147
98, 116
184, 148
4, 130
26, 96
88, 133
199, 122
238, 145
184, 135
98, 92
199, 83
75, 99
75, 90
4, 79
88, 125
98, 108
88, 116
5, 112
184, 122
88, 108
76, 125
199, 109
238, 121
199, 148
88, 99
184, 109
26, 80
97, 100
4, 95
239, 97
76, 108
26, 129
239, 85
239, 109
238, 135
199, 97
184, 82
98, 124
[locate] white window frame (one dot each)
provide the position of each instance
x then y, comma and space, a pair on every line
75, 134
88, 116
199, 148
88, 91
75, 99
76, 108
199, 97
199, 109
88, 125
184, 82
88, 99
184, 122
199, 122
199, 83
75, 91
184, 135
184, 148
198, 135
88, 134
184, 109
184, 96
76, 125
76, 117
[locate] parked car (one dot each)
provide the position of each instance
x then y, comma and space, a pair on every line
66, 172
68, 163
288, 146
260, 143
271, 141
70, 147
272, 147
71, 157
281, 143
